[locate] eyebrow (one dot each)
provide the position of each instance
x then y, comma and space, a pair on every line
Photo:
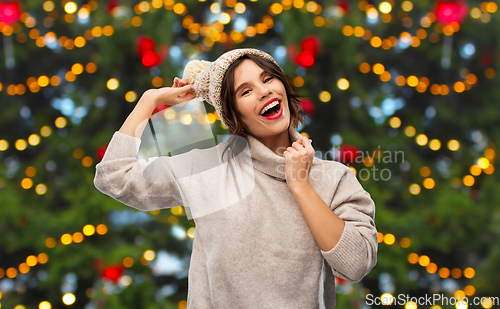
246, 84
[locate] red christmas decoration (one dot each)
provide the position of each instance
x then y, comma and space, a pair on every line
113, 273
348, 154
159, 108
344, 5
10, 12
112, 4
309, 48
308, 107
305, 59
151, 59
145, 44
451, 11
101, 151
311, 45
146, 49
340, 280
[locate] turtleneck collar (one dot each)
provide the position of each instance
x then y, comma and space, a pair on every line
266, 160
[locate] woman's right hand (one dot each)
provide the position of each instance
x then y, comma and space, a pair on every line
180, 92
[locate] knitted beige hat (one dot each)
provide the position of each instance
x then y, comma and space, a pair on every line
207, 77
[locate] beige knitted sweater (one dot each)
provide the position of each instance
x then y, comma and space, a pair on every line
252, 247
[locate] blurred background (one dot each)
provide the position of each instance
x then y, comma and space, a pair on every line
404, 92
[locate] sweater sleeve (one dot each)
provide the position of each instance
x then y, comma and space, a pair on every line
355, 254
143, 185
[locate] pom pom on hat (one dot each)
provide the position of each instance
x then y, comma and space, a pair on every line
193, 68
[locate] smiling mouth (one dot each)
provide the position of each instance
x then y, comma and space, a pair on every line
272, 111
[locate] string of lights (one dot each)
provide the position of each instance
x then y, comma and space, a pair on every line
430, 267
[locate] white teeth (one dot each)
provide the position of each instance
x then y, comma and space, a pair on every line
271, 105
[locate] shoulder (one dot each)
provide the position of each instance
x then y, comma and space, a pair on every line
337, 179
330, 164
330, 170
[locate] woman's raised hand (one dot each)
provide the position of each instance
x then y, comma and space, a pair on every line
180, 92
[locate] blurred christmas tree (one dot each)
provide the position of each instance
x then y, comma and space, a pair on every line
402, 91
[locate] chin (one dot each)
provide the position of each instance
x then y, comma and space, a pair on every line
279, 127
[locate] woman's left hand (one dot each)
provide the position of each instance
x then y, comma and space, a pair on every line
298, 161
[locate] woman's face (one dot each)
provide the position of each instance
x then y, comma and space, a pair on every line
254, 90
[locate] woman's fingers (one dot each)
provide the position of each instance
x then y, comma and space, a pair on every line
185, 93
301, 141
184, 89
306, 144
180, 82
175, 95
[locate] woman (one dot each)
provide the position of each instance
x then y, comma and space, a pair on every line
298, 222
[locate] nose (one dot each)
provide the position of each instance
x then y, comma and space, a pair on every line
264, 91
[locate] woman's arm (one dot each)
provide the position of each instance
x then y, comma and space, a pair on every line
347, 235
355, 254
345, 229
121, 176
325, 225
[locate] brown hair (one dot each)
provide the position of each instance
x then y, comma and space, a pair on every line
230, 113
